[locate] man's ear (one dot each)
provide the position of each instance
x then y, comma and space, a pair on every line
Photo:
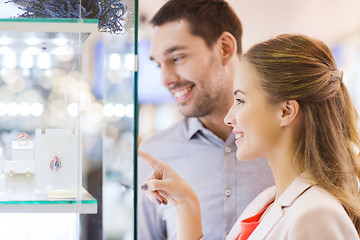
228, 47
289, 112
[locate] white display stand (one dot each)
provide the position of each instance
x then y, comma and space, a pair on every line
19, 186
19, 173
63, 180
22, 151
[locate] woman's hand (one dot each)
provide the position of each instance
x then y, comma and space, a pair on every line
165, 185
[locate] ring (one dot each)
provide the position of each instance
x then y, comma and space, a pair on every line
22, 136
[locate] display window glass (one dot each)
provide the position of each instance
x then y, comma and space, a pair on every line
68, 117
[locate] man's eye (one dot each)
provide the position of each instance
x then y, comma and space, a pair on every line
156, 64
177, 59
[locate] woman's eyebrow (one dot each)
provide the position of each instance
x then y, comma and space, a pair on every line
238, 91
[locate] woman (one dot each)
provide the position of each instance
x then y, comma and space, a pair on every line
292, 107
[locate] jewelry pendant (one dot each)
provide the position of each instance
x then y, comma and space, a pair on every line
55, 163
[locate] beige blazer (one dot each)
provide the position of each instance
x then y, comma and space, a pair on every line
304, 211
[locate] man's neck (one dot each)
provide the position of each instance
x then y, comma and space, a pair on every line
217, 126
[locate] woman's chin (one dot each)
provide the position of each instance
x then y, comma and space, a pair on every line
242, 157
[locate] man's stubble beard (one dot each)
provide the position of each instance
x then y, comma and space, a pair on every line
208, 100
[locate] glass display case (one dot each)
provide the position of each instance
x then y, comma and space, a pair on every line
40, 104
68, 116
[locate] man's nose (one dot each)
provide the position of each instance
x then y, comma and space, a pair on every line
169, 76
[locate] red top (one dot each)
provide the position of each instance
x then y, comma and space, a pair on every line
248, 225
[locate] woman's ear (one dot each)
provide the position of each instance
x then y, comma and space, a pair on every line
228, 47
289, 112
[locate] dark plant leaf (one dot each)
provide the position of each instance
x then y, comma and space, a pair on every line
110, 13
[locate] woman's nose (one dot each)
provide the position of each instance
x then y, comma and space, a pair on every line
228, 120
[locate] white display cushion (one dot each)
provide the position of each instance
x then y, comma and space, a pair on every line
65, 172
22, 151
64, 194
61, 194
22, 145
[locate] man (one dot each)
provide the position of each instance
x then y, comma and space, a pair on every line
196, 44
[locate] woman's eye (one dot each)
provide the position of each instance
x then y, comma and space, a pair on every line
239, 101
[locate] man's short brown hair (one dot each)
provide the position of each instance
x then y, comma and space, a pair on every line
207, 19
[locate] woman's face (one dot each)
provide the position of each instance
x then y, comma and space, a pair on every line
255, 121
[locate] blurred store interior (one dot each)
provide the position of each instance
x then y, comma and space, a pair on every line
105, 94
335, 22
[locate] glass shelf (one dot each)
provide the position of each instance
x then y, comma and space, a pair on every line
87, 204
49, 25
48, 34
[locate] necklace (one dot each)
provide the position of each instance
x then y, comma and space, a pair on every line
55, 163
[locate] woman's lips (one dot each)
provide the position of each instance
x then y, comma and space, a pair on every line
239, 136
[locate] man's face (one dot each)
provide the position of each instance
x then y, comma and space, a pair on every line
191, 71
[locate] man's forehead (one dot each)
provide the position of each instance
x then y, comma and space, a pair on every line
170, 37
175, 25
169, 32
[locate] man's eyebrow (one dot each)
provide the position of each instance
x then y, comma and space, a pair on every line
238, 91
173, 49
170, 50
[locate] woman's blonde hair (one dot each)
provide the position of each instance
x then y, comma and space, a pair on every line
296, 67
